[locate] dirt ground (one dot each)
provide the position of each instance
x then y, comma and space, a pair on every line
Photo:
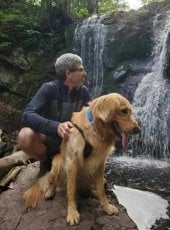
51, 214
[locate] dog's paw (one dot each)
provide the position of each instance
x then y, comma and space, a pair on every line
111, 209
73, 217
49, 193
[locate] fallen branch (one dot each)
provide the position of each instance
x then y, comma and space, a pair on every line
10, 177
15, 159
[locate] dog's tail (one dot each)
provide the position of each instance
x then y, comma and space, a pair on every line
46, 185
34, 194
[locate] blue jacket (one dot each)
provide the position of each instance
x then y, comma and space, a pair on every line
53, 104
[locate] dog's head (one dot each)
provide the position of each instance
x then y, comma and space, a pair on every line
113, 118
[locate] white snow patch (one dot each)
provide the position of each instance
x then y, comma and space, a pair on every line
144, 208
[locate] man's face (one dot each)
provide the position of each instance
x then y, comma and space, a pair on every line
78, 76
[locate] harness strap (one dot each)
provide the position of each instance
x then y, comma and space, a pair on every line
88, 147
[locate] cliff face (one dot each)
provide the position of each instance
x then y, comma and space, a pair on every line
20, 76
129, 47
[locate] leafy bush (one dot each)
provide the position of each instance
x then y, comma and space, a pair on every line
21, 25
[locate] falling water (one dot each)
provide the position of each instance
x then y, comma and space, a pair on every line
151, 100
89, 44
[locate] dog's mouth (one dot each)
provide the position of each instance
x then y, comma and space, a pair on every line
120, 134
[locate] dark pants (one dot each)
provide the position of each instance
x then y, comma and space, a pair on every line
53, 145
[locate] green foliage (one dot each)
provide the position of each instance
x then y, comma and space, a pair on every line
4, 44
14, 20
78, 9
111, 6
27, 25
40, 24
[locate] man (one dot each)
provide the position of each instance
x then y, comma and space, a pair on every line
46, 119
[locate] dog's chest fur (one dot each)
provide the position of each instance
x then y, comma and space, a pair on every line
88, 167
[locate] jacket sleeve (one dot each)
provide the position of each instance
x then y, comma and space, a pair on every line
32, 116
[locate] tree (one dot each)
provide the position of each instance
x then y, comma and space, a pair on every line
106, 6
92, 6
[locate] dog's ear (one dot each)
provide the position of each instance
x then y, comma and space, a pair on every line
104, 108
103, 129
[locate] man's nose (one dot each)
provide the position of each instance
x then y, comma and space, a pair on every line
85, 75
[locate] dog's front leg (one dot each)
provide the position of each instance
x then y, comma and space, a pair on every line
53, 176
100, 192
73, 216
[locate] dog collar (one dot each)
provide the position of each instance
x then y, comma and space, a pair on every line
89, 115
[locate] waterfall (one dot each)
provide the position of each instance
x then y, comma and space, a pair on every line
151, 99
89, 44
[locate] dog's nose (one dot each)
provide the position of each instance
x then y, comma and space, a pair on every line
137, 129
139, 122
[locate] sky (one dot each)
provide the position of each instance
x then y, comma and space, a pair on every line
134, 4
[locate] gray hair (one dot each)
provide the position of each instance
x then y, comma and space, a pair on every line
65, 62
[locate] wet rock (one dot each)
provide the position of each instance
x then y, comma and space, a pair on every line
51, 214
143, 177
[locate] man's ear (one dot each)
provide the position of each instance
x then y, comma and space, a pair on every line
68, 74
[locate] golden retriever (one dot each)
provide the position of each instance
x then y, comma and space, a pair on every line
82, 157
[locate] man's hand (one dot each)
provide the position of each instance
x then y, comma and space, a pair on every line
64, 129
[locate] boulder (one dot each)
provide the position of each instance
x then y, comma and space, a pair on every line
51, 214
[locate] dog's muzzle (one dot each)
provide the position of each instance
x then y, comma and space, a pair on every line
122, 135
116, 129
137, 130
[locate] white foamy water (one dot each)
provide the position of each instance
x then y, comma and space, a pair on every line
151, 99
144, 208
139, 162
89, 43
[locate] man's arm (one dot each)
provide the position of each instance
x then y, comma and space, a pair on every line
32, 116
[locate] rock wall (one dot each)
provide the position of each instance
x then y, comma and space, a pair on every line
129, 46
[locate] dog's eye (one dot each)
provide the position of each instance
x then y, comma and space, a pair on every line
124, 111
